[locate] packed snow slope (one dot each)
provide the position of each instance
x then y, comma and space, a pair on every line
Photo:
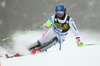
70, 55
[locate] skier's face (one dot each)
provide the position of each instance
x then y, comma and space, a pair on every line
60, 15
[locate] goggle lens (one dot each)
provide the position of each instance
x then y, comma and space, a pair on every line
60, 12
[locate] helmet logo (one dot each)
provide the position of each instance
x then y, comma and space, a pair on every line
59, 8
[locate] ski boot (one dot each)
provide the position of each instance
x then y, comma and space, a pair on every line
48, 44
41, 48
33, 47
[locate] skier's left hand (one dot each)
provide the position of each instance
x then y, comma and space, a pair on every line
80, 44
45, 27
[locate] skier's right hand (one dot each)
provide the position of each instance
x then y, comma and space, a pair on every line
80, 44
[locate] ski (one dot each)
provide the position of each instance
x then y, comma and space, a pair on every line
41, 48
32, 51
16, 55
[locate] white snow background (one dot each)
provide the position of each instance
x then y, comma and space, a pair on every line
70, 55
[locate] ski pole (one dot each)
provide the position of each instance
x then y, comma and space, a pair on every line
21, 33
56, 28
82, 45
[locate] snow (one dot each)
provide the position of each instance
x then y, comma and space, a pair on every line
70, 55
3, 52
76, 57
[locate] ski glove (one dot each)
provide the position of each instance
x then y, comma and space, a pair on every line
45, 26
48, 24
80, 44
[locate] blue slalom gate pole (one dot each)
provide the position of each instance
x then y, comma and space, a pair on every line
56, 28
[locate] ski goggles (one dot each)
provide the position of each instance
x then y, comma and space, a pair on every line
60, 12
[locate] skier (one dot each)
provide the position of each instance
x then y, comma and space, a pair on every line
63, 23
